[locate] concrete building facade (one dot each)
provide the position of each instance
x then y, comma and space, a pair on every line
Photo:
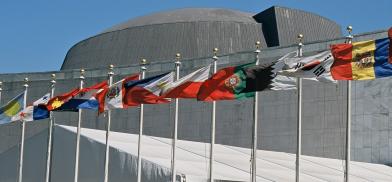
324, 105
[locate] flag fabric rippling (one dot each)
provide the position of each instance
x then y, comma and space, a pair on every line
147, 91
12, 108
365, 60
189, 85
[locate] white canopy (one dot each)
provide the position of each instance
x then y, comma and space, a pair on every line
232, 163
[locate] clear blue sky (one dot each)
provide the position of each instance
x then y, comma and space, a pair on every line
36, 34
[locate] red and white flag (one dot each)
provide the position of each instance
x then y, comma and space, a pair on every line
148, 90
112, 97
188, 86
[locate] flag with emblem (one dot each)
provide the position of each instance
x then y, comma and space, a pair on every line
188, 86
12, 108
243, 81
84, 99
147, 91
365, 60
314, 67
33, 112
112, 97
57, 101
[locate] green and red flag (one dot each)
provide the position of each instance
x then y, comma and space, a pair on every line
239, 82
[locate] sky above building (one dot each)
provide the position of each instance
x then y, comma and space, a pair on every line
36, 35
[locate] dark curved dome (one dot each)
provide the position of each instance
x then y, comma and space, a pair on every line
194, 32
187, 15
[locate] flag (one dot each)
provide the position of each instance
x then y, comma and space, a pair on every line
112, 97
12, 108
33, 112
364, 60
242, 81
315, 67
84, 99
188, 86
147, 91
57, 101
390, 47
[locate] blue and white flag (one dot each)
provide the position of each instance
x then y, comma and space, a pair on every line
33, 112
84, 99
12, 108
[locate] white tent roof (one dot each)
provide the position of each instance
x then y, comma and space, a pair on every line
232, 163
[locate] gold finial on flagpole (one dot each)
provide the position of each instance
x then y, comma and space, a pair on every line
257, 44
178, 56
257, 47
349, 29
53, 81
350, 36
143, 64
215, 50
111, 68
26, 82
300, 39
82, 72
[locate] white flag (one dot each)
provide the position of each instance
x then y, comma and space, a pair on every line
315, 67
33, 112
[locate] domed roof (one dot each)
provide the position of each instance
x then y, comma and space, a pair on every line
187, 15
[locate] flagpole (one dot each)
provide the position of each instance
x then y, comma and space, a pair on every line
255, 122
348, 124
106, 178
175, 125
143, 67
299, 116
213, 116
50, 133
1, 90
22, 133
78, 131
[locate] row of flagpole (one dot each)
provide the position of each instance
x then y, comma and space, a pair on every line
299, 117
175, 125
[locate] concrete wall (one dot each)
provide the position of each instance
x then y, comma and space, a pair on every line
323, 110
282, 25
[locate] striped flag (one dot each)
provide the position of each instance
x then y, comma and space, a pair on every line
84, 99
147, 91
188, 86
364, 60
